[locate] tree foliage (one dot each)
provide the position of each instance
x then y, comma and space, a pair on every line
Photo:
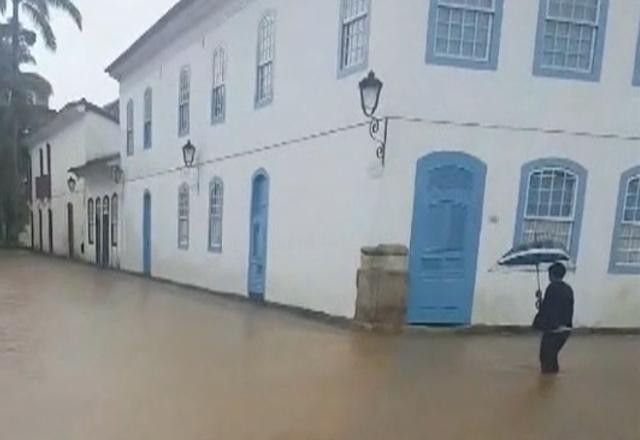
19, 110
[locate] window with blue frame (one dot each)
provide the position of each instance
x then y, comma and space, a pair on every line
354, 35
636, 70
216, 200
183, 216
464, 33
130, 139
148, 114
625, 250
218, 90
265, 62
551, 203
570, 40
184, 99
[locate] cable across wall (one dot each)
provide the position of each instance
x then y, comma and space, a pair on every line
299, 141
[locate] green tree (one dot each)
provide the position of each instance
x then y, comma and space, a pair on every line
14, 85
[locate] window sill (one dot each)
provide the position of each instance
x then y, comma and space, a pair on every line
344, 72
218, 120
441, 60
263, 103
615, 269
547, 72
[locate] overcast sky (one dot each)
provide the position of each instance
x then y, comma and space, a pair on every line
76, 70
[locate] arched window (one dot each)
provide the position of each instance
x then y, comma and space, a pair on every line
130, 145
625, 252
354, 35
183, 101
551, 203
216, 202
218, 91
105, 205
114, 220
266, 55
148, 114
183, 216
91, 220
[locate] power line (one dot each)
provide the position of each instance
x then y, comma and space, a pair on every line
515, 128
255, 151
436, 122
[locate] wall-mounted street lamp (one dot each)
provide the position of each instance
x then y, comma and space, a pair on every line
189, 158
71, 184
189, 154
370, 91
116, 173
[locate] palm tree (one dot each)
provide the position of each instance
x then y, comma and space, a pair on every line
38, 12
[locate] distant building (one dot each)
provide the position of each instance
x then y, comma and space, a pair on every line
507, 123
113, 108
75, 186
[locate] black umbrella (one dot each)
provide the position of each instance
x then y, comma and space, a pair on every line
535, 254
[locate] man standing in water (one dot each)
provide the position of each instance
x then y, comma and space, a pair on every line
555, 319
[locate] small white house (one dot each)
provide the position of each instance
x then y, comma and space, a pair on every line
505, 121
75, 185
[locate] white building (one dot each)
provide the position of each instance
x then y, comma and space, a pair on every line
492, 104
81, 144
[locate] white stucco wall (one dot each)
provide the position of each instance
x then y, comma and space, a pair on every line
102, 136
329, 197
72, 146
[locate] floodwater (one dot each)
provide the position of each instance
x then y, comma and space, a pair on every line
89, 354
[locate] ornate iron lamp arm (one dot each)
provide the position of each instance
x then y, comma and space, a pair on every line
376, 125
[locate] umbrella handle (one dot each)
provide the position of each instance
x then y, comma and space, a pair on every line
539, 291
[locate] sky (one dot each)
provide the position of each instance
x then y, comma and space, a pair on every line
76, 69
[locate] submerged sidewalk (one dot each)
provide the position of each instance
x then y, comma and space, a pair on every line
91, 354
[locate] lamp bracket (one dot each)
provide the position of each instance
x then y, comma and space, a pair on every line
378, 130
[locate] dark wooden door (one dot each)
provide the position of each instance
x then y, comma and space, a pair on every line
70, 230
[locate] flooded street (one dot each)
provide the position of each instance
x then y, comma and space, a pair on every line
88, 354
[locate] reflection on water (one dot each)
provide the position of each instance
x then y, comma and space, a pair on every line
86, 354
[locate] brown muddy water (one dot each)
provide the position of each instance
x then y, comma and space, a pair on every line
88, 354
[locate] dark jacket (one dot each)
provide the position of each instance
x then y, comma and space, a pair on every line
556, 309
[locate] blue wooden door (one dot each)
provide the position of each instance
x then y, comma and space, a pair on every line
146, 235
258, 235
445, 235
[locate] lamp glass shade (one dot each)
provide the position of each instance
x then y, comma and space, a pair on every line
71, 183
370, 90
116, 174
189, 154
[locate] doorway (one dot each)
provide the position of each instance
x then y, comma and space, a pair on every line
50, 231
40, 235
258, 235
106, 243
447, 218
98, 244
146, 234
70, 230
